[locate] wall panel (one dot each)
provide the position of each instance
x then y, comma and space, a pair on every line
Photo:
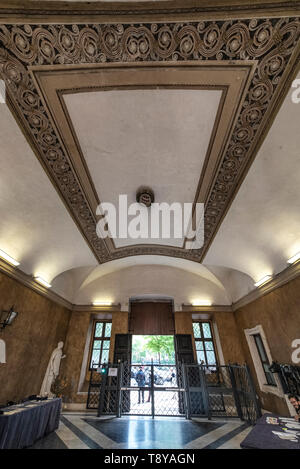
151, 318
31, 339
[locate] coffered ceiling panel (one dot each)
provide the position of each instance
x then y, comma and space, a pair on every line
155, 138
88, 124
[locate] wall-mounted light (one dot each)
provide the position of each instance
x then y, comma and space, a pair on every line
294, 258
201, 303
42, 281
7, 318
9, 259
102, 303
263, 280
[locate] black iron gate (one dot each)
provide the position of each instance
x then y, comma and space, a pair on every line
186, 390
221, 391
94, 390
153, 390
105, 389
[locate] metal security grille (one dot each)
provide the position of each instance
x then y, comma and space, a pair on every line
221, 391
187, 390
152, 390
248, 405
94, 390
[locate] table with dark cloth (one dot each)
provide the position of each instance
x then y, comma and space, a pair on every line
261, 436
34, 420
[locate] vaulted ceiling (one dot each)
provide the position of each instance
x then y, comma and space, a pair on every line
200, 111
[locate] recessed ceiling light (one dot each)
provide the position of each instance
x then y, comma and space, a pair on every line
293, 259
263, 280
42, 281
102, 303
201, 303
8, 258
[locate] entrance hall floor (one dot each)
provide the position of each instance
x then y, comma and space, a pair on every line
86, 431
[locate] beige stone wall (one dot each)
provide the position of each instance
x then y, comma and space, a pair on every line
74, 349
119, 326
279, 314
184, 325
41, 324
229, 338
30, 340
228, 333
78, 348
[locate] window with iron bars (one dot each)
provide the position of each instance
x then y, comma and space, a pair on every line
205, 347
101, 344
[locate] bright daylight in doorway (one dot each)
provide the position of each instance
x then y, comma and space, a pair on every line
158, 349
153, 367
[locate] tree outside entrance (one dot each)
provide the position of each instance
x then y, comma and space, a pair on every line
156, 348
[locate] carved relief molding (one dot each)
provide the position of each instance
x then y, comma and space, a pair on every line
72, 11
272, 43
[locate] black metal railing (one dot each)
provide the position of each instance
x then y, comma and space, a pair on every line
221, 391
289, 376
94, 389
186, 390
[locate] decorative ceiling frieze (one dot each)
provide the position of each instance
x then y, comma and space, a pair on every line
67, 10
272, 43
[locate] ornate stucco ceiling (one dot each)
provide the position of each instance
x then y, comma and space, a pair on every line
270, 45
268, 203
49, 68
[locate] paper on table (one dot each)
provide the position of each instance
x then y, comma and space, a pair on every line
293, 425
288, 438
285, 419
285, 436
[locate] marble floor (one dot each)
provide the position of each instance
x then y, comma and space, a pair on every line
86, 431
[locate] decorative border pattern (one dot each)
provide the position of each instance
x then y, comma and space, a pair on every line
271, 42
224, 7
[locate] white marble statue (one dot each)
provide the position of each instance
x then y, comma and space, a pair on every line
52, 370
2, 351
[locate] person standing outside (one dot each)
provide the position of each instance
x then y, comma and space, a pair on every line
141, 382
